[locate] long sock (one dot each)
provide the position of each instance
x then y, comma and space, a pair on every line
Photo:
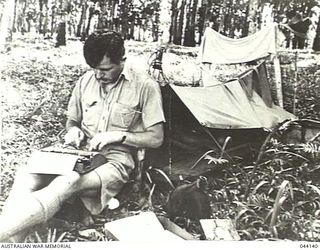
34, 209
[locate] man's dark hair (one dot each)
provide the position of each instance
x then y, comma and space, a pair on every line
102, 43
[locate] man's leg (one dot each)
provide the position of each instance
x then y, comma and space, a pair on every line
24, 183
33, 208
109, 178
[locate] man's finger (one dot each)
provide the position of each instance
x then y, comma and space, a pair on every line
93, 147
81, 136
76, 139
100, 146
93, 144
68, 140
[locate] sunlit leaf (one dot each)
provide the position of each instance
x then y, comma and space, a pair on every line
277, 205
164, 175
314, 188
258, 186
247, 233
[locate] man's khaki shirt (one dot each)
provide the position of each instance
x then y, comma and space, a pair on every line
133, 104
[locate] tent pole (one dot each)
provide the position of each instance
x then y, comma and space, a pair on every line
170, 131
277, 72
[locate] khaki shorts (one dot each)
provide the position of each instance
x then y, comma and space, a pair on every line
113, 176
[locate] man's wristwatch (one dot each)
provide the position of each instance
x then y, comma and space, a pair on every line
124, 137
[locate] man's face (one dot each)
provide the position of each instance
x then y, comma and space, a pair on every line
107, 72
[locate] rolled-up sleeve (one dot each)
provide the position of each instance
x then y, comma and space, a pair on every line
152, 108
74, 107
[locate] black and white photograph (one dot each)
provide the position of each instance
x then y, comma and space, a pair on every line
185, 123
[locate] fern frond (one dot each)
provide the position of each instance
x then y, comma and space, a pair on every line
259, 200
286, 125
216, 161
311, 148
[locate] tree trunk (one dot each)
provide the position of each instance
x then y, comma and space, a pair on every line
61, 30
40, 16
45, 19
14, 29
155, 26
6, 24
124, 18
223, 13
53, 15
20, 19
112, 6
202, 17
316, 41
187, 31
164, 21
189, 35
61, 34
101, 19
252, 18
81, 23
178, 35
89, 15
174, 17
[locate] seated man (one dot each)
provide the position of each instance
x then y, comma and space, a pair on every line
112, 110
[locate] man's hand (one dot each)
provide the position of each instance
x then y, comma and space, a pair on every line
74, 137
102, 139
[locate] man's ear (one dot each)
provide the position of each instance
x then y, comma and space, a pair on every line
123, 60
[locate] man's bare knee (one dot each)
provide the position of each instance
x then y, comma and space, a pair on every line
89, 181
68, 182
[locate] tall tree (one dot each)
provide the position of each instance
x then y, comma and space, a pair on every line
174, 18
164, 20
202, 12
61, 30
81, 24
20, 16
124, 4
252, 16
6, 24
189, 35
179, 21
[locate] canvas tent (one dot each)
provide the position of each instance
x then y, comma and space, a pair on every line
200, 118
228, 106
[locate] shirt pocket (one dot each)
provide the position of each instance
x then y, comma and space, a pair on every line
124, 116
90, 112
